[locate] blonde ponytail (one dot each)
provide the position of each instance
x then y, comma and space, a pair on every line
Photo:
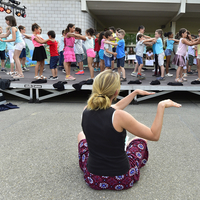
104, 88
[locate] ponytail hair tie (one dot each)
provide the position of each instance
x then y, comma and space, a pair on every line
101, 95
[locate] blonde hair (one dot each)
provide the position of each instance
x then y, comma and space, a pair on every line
104, 88
160, 32
121, 31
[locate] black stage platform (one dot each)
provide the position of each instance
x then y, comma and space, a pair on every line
17, 88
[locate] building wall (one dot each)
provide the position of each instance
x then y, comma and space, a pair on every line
52, 15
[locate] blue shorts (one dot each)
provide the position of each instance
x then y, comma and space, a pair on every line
53, 62
2, 55
139, 60
101, 54
120, 62
168, 52
23, 53
107, 61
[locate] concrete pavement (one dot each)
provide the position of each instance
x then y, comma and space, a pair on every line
38, 152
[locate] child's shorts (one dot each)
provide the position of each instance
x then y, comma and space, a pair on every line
23, 53
91, 53
107, 61
79, 58
139, 60
101, 54
120, 62
96, 59
168, 52
137, 153
161, 59
20, 46
2, 55
53, 62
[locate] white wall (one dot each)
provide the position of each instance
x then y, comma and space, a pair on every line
52, 15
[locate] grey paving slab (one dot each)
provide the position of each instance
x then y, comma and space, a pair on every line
38, 152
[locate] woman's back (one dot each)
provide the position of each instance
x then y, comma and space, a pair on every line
106, 145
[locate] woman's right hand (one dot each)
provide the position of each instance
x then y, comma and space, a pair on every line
169, 103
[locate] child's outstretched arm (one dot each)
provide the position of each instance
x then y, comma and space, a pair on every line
129, 98
110, 52
37, 39
27, 36
5, 35
108, 42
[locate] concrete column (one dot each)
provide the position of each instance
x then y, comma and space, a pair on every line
173, 28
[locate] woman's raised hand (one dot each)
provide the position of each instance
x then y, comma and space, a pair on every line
143, 92
169, 103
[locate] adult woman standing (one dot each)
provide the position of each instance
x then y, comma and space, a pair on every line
102, 158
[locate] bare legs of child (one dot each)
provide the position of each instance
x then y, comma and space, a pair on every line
67, 66
90, 61
198, 69
134, 73
54, 72
18, 64
39, 65
102, 66
167, 66
80, 72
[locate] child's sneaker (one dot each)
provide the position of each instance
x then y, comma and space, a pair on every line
140, 77
3, 70
123, 80
76, 69
161, 78
80, 73
25, 69
63, 71
95, 69
134, 74
169, 75
190, 72
70, 78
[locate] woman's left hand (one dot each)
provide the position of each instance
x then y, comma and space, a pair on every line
143, 92
1, 40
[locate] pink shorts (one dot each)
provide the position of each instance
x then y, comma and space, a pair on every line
91, 53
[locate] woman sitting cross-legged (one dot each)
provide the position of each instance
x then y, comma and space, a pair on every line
102, 155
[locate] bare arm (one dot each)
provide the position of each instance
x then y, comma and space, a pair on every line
127, 100
37, 39
123, 120
13, 35
190, 43
108, 42
113, 53
5, 35
27, 36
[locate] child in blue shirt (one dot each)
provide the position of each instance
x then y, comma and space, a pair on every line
160, 53
2, 52
120, 53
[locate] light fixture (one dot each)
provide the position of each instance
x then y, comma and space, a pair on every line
23, 15
2, 9
8, 10
18, 14
15, 2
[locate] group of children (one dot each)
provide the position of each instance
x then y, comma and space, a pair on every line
101, 48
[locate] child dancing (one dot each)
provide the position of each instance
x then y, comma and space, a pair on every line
181, 52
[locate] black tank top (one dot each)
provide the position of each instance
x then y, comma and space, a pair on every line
107, 156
